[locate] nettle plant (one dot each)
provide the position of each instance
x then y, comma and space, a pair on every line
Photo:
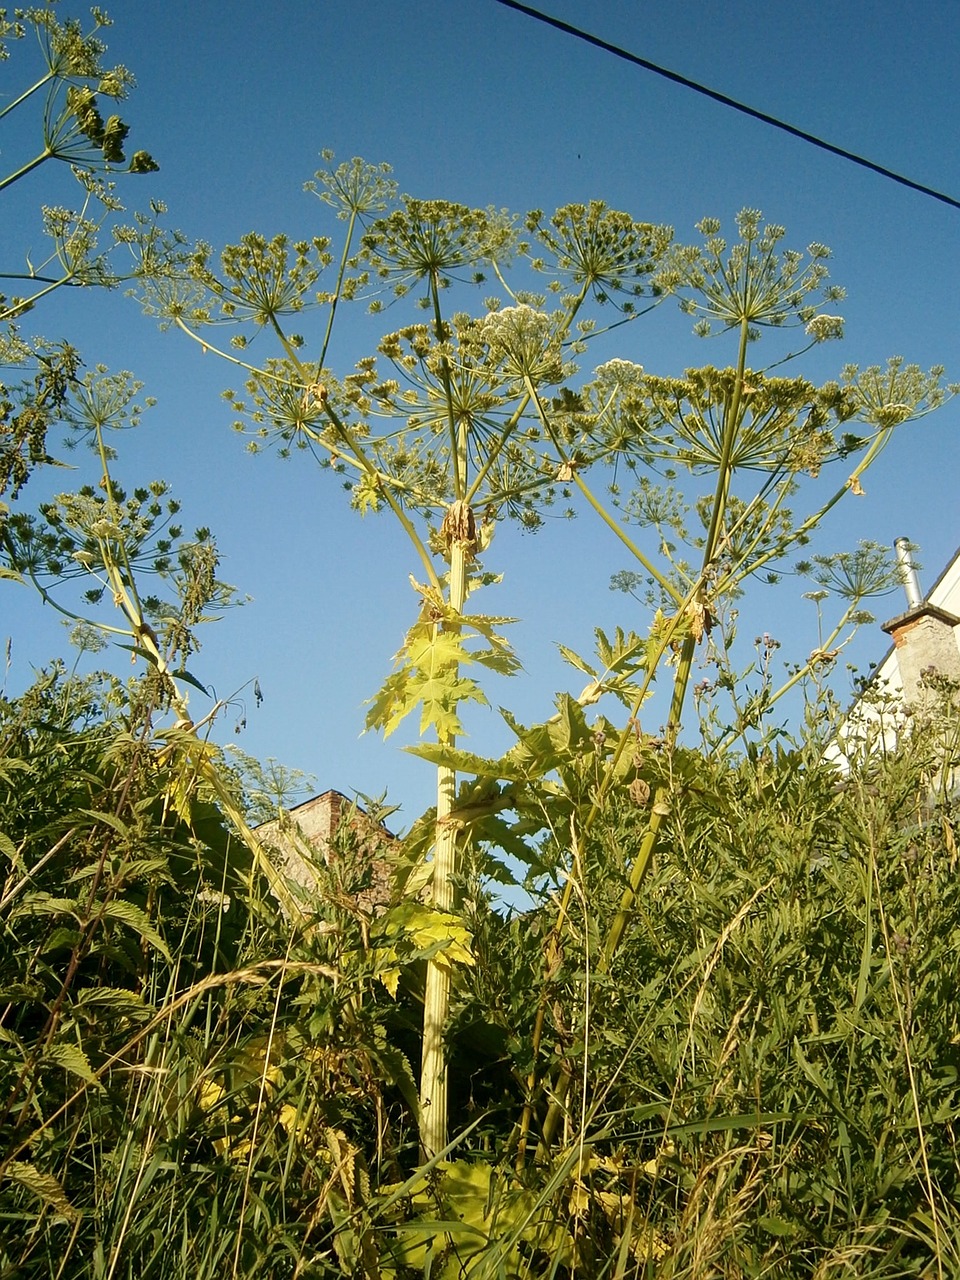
466, 417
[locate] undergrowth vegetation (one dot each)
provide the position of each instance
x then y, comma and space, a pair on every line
764, 1082
720, 1040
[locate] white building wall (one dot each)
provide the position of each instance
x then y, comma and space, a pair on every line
876, 720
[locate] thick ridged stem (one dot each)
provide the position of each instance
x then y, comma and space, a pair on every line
436, 1005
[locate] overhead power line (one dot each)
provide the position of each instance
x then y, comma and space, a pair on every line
729, 102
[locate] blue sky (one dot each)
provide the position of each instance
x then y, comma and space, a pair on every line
473, 102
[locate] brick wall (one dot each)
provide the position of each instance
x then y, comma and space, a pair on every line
307, 836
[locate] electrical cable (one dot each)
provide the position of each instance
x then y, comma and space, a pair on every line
726, 101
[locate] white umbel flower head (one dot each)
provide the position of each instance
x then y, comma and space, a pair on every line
825, 328
526, 341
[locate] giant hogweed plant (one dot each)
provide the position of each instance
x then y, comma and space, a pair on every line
755, 435
99, 536
748, 437
462, 419
441, 426
81, 239
149, 1009
754, 439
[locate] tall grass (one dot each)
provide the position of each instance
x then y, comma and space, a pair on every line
770, 1067
763, 1083
185, 1074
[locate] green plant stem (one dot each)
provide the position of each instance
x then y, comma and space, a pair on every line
433, 1077
550, 950
876, 448
28, 93
341, 272
290, 351
731, 428
628, 542
564, 905
661, 806
660, 809
124, 584
384, 485
436, 1005
359, 459
28, 303
45, 154
821, 654
225, 355
128, 600
737, 575
49, 599
594, 502
459, 479
509, 427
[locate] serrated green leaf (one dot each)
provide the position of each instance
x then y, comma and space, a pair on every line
141, 868
392, 704
183, 674
61, 939
71, 1058
508, 837
440, 695
569, 729
136, 919
462, 761
501, 660
42, 903
400, 1073
437, 935
437, 650
43, 1185
108, 819
439, 717
574, 660
114, 998
534, 754
17, 991
496, 870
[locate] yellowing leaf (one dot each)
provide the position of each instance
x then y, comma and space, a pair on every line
43, 1185
211, 1094
366, 495
427, 929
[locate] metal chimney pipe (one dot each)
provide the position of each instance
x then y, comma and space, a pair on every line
908, 573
